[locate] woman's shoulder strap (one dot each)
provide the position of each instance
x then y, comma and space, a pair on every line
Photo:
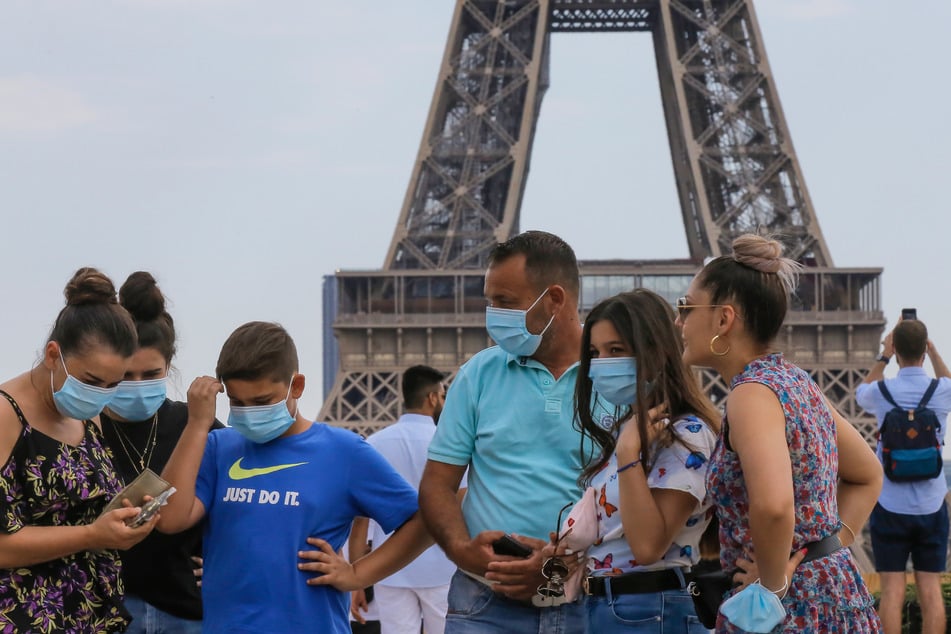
16, 408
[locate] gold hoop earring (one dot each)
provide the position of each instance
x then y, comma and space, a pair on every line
714, 351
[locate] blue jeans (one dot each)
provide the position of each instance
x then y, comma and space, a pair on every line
475, 609
667, 612
148, 619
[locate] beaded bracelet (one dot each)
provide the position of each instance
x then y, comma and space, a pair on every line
629, 465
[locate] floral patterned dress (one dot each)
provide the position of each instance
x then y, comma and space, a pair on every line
827, 594
49, 483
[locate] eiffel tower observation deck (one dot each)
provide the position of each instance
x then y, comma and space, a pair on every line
735, 171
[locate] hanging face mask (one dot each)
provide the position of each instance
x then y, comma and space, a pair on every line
77, 399
262, 423
615, 379
138, 400
754, 609
508, 328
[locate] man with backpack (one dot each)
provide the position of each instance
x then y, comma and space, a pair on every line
911, 517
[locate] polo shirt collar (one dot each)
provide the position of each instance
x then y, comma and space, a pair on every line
531, 361
912, 370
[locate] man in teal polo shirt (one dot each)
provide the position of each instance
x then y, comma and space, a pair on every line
508, 418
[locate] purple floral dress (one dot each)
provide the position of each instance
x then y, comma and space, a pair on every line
825, 595
49, 483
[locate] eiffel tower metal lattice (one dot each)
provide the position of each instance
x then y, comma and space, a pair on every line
735, 171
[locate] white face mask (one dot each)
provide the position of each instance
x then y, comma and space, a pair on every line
509, 329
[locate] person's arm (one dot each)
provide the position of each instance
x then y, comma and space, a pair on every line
877, 371
758, 436
358, 546
23, 545
184, 509
937, 363
860, 477
403, 546
33, 545
651, 517
440, 509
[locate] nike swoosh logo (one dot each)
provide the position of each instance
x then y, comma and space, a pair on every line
237, 472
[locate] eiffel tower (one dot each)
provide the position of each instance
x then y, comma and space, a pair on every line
735, 170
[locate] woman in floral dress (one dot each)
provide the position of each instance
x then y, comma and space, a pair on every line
59, 570
788, 470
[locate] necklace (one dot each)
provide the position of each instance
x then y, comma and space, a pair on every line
144, 457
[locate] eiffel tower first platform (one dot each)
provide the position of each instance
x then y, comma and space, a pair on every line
735, 171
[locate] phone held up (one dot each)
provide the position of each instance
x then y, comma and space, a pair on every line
508, 545
909, 313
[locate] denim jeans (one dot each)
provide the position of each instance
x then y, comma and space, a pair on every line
148, 619
475, 609
667, 612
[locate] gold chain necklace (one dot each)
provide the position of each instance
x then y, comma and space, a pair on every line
144, 456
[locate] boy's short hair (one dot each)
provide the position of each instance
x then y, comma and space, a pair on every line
258, 350
911, 339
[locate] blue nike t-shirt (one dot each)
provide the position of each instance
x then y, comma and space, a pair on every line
262, 501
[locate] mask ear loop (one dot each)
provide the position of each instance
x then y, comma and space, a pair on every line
538, 299
296, 401
65, 369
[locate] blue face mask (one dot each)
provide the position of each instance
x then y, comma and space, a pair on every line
79, 400
262, 423
138, 400
754, 609
508, 328
615, 379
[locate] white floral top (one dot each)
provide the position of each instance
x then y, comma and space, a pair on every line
678, 467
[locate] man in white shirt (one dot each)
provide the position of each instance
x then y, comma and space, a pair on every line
417, 593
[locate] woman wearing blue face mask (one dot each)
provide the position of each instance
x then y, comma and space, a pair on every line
142, 426
59, 569
648, 477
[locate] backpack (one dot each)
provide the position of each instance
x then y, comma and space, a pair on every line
909, 438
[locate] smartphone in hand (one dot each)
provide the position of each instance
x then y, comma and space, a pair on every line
508, 545
150, 508
909, 314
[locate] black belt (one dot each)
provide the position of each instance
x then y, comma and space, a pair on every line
660, 580
636, 582
823, 547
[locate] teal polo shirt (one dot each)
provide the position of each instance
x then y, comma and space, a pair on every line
510, 421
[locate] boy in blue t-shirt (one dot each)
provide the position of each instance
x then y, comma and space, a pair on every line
268, 484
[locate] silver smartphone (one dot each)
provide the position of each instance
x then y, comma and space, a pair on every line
150, 508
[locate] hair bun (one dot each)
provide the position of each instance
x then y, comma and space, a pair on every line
763, 254
140, 295
766, 256
89, 286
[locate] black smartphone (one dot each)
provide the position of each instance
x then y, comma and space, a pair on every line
909, 313
508, 545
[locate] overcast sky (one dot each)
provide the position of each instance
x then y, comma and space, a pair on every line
242, 150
